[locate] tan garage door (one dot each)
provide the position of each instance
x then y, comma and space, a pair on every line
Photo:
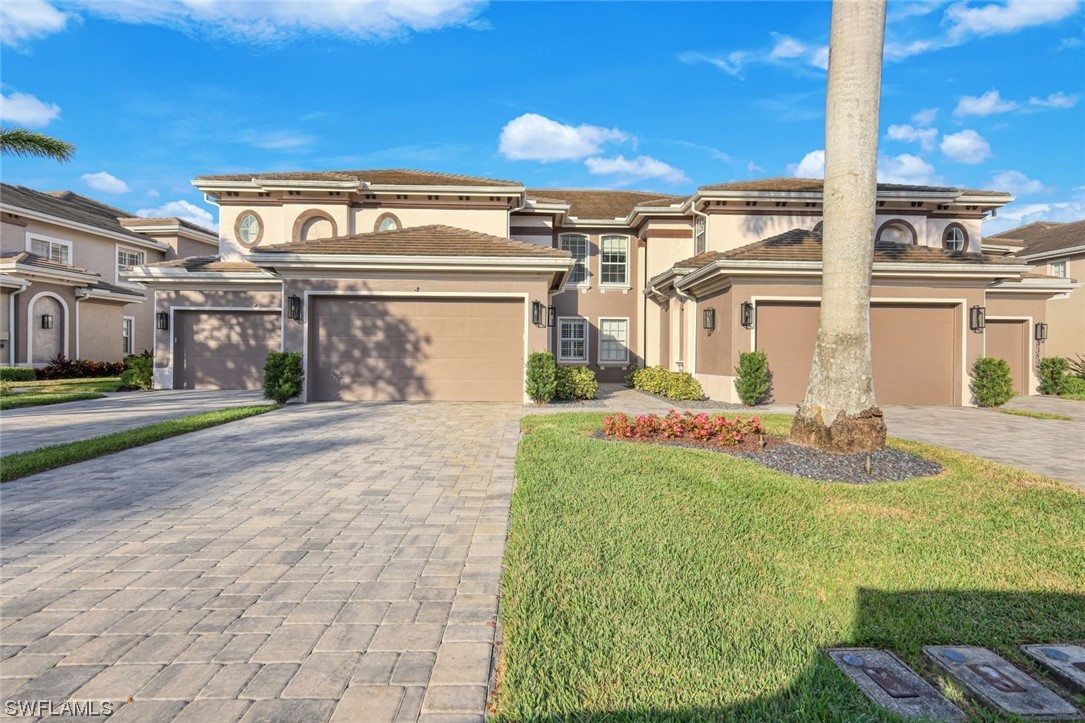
223, 349
914, 350
1006, 339
368, 348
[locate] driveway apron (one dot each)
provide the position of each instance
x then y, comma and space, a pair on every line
324, 561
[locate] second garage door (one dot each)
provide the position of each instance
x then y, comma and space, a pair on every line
1008, 339
223, 349
386, 348
915, 350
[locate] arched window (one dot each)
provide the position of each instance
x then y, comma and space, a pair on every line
387, 222
314, 224
249, 229
817, 226
955, 238
897, 232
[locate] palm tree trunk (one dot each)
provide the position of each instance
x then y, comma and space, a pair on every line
839, 412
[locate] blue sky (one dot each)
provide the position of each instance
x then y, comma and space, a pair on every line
655, 96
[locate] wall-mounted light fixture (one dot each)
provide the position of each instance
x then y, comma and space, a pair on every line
708, 319
537, 313
746, 314
1040, 332
162, 320
977, 319
46, 321
551, 316
294, 307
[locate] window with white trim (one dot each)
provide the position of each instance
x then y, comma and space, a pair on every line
1058, 268
954, 239
614, 260
613, 340
572, 339
59, 251
700, 234
577, 245
127, 258
128, 335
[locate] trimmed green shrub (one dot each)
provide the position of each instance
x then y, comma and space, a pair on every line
992, 383
631, 377
1074, 386
679, 386
752, 379
575, 383
17, 374
139, 373
1077, 366
542, 373
283, 376
1052, 372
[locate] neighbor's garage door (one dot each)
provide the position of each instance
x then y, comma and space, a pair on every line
384, 348
1009, 340
223, 349
914, 349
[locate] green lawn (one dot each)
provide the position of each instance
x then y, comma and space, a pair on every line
658, 583
1035, 415
21, 464
40, 393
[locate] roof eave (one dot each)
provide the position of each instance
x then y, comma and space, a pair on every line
130, 238
1052, 254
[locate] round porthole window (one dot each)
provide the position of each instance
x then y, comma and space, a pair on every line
249, 230
387, 222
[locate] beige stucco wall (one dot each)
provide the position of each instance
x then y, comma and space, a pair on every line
493, 221
1066, 316
99, 331
28, 318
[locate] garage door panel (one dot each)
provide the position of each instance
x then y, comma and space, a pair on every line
365, 349
1009, 340
222, 349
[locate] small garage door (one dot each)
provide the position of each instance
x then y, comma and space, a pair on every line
367, 348
1009, 340
223, 349
914, 350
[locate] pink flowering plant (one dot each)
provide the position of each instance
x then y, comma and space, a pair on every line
701, 427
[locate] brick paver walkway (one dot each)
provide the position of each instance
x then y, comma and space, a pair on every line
321, 562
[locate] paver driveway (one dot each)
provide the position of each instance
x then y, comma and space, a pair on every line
321, 562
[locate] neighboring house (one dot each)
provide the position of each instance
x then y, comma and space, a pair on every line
61, 291
1056, 250
399, 284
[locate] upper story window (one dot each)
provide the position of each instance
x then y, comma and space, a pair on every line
954, 238
249, 228
1058, 268
700, 234
387, 222
52, 249
127, 258
577, 245
898, 232
614, 260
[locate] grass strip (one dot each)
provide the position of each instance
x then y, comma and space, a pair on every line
21, 464
1036, 415
92, 381
650, 583
39, 399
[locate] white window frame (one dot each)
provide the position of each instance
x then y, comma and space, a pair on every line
128, 322
587, 256
624, 343
31, 237
700, 235
602, 255
964, 238
587, 338
1058, 268
117, 268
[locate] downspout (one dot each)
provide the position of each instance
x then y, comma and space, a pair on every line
644, 311
12, 316
78, 297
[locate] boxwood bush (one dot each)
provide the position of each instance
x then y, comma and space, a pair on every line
992, 383
679, 386
283, 376
17, 374
542, 373
139, 373
1074, 385
1053, 374
575, 383
752, 380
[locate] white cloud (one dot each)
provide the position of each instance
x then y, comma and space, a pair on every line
635, 169
152, 193
907, 169
785, 51
1008, 17
812, 165
263, 21
1016, 183
925, 117
1055, 100
1067, 43
900, 51
26, 110
105, 182
787, 47
909, 134
532, 137
989, 103
25, 20
754, 168
276, 140
183, 210
730, 63
1014, 216
966, 147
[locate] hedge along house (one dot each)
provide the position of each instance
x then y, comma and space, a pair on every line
401, 284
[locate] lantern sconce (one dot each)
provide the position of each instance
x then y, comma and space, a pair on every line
46, 321
537, 313
747, 314
162, 320
551, 316
977, 319
708, 319
1040, 332
294, 310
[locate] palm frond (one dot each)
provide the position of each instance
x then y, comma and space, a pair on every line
21, 142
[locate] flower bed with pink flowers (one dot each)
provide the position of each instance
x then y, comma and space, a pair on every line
701, 429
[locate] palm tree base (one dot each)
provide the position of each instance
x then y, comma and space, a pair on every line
848, 434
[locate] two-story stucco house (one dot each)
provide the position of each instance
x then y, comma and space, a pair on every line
399, 284
61, 290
